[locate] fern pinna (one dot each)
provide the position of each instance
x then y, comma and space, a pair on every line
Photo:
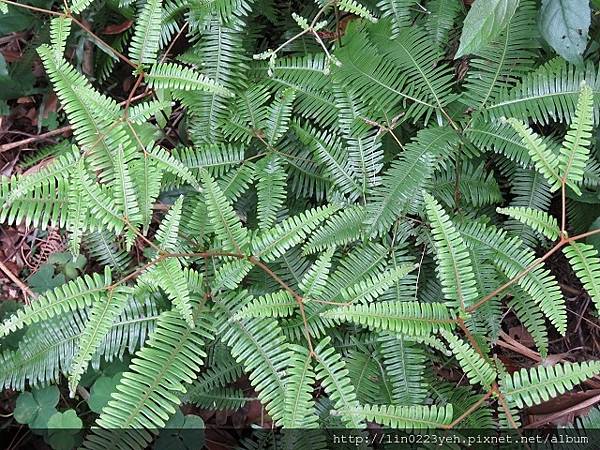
340, 211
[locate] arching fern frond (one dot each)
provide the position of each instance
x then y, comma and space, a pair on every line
405, 417
585, 261
538, 220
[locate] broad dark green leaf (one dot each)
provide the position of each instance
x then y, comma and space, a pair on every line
565, 24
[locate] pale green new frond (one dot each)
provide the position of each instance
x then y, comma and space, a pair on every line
176, 76
76, 294
60, 27
299, 404
314, 279
544, 159
271, 244
405, 417
146, 37
529, 387
454, 267
167, 235
226, 223
151, 389
576, 146
271, 189
76, 216
277, 304
353, 7
585, 261
406, 318
540, 221
477, 369
332, 371
103, 313
168, 163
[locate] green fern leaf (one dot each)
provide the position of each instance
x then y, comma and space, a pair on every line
277, 304
175, 76
407, 318
575, 150
299, 403
76, 294
102, 316
271, 190
332, 372
538, 220
454, 267
538, 384
167, 235
146, 37
585, 261
405, 417
477, 369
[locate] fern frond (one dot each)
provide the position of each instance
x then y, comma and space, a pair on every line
314, 280
538, 220
353, 7
168, 163
399, 11
146, 37
142, 112
545, 160
150, 391
103, 314
60, 27
541, 383
299, 403
77, 6
454, 266
176, 76
167, 235
406, 318
271, 190
576, 146
332, 371
512, 257
76, 294
585, 261
226, 224
440, 19
259, 345
405, 417
277, 304
340, 228
477, 369
271, 244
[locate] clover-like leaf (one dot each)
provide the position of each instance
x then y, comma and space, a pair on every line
35, 408
101, 390
63, 429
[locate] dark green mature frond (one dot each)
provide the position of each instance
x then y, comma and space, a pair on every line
271, 190
500, 64
440, 19
404, 363
538, 384
398, 11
